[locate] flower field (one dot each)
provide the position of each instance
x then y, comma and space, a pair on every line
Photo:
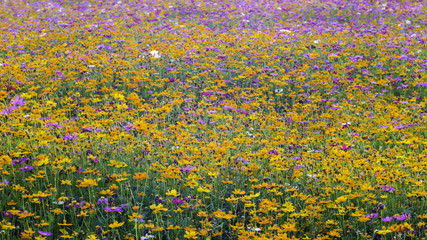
205, 119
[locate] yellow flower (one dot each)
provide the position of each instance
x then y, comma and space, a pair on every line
92, 237
116, 224
50, 103
363, 219
8, 226
3, 95
190, 235
288, 207
341, 199
87, 183
239, 192
173, 193
157, 209
5, 160
27, 234
203, 190
223, 215
384, 231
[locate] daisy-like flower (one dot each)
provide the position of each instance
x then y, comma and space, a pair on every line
45, 233
116, 224
155, 54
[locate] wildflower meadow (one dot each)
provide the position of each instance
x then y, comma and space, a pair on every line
213, 119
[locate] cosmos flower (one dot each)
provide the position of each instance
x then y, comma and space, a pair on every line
45, 233
402, 217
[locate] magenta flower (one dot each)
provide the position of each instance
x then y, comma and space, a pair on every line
387, 219
188, 168
178, 201
26, 168
402, 217
45, 233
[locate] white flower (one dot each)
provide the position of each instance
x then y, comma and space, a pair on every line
155, 54
408, 22
284, 30
316, 41
279, 90
312, 176
147, 237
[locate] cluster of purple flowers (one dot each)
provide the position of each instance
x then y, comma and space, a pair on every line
403, 217
15, 103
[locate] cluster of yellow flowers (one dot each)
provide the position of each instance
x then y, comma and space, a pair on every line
230, 119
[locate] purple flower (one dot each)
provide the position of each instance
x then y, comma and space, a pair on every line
388, 188
88, 129
228, 107
4, 183
402, 217
113, 209
129, 126
14, 104
18, 101
178, 201
26, 168
102, 201
188, 168
242, 160
45, 233
372, 215
70, 136
241, 111
345, 148
79, 205
387, 219
7, 214
274, 151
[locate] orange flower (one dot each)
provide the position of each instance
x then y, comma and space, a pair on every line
140, 176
